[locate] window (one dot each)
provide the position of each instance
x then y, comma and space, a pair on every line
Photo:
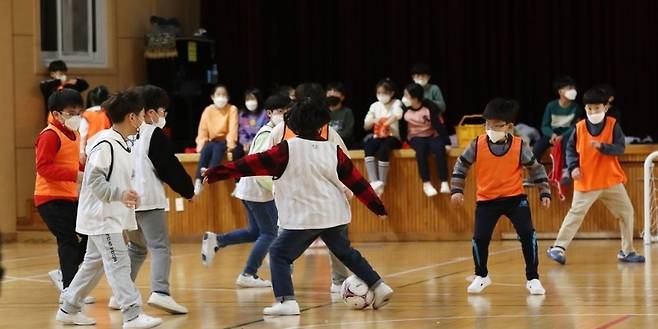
75, 32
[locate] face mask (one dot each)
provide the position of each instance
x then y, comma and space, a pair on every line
570, 94
406, 101
333, 101
161, 122
62, 78
73, 122
220, 101
276, 118
421, 82
384, 99
596, 118
251, 105
496, 136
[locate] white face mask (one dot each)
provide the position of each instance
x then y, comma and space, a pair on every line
251, 105
596, 118
383, 98
496, 136
421, 82
161, 122
276, 118
220, 101
73, 122
406, 101
570, 94
63, 78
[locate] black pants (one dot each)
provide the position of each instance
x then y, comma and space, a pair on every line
423, 146
542, 144
59, 216
486, 216
381, 147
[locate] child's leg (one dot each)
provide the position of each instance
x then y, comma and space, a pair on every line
204, 158
339, 244
249, 234
580, 204
371, 148
137, 249
421, 146
265, 218
387, 145
439, 150
116, 263
218, 153
287, 247
153, 224
617, 201
519, 213
486, 217
87, 277
541, 145
339, 271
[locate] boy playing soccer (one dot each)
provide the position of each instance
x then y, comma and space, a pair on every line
592, 161
498, 172
107, 208
310, 173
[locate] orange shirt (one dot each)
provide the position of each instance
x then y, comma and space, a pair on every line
67, 157
218, 124
498, 176
597, 170
98, 120
288, 134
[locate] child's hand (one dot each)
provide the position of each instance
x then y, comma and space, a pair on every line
575, 174
204, 174
457, 199
596, 144
448, 148
545, 202
130, 198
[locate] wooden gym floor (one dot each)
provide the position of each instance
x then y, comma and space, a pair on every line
429, 278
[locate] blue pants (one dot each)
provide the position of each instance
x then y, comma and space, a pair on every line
211, 155
290, 244
262, 229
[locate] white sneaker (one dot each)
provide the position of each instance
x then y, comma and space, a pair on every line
56, 278
535, 287
143, 321
251, 281
113, 305
288, 307
78, 319
383, 294
445, 188
335, 288
86, 300
378, 186
166, 303
208, 248
198, 186
429, 190
478, 284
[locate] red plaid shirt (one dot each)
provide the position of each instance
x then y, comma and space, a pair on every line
274, 161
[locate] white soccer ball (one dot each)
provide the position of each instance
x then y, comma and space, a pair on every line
356, 293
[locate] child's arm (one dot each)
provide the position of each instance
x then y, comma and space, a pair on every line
232, 135
463, 164
260, 144
618, 143
370, 119
573, 158
536, 171
272, 162
397, 112
351, 177
546, 127
167, 166
202, 135
437, 97
47, 146
98, 167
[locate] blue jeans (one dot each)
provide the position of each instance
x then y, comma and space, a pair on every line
262, 229
211, 155
424, 145
290, 244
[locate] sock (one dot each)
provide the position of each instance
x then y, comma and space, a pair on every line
383, 171
371, 167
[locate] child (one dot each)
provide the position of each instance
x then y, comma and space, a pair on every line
382, 118
498, 172
592, 161
560, 116
311, 172
342, 118
94, 118
420, 73
218, 132
107, 203
256, 195
59, 80
155, 163
425, 133
59, 174
250, 120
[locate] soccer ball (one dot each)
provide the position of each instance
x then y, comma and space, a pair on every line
356, 293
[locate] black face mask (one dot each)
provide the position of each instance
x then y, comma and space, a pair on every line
333, 101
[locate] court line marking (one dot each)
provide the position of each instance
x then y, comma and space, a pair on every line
614, 322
